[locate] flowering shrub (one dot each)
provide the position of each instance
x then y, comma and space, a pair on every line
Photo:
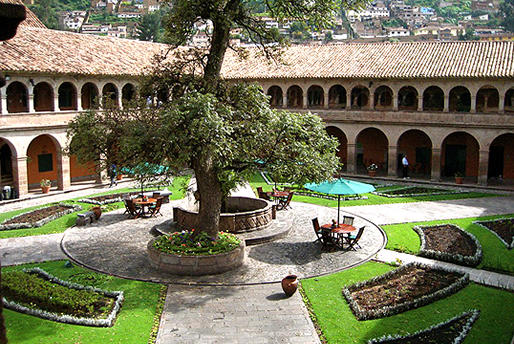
372, 167
184, 243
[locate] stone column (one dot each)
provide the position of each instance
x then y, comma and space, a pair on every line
284, 100
436, 164
63, 172
350, 160
305, 100
473, 108
120, 99
20, 177
3, 100
391, 161
420, 103
31, 99
348, 99
325, 104
371, 102
79, 101
395, 103
483, 165
501, 104
56, 101
446, 103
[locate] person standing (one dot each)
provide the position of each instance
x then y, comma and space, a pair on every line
112, 174
405, 167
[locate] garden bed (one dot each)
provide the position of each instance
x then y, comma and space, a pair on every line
106, 199
413, 191
39, 217
502, 228
449, 243
38, 293
452, 331
408, 287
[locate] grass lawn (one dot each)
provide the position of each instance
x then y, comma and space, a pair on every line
257, 181
496, 256
133, 325
178, 189
339, 325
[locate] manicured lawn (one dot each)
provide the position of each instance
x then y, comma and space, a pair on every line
257, 181
496, 256
178, 189
339, 325
133, 325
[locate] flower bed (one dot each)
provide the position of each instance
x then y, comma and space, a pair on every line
503, 228
414, 191
38, 293
449, 243
39, 217
106, 199
408, 287
184, 243
453, 331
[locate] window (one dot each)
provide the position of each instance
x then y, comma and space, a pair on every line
44, 162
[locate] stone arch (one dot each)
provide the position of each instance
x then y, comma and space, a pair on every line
501, 162
7, 155
276, 96
488, 99
433, 99
360, 97
337, 97
89, 96
43, 160
408, 98
416, 144
460, 154
459, 99
109, 95
371, 148
509, 100
342, 149
43, 97
295, 97
67, 96
128, 93
17, 97
315, 96
383, 98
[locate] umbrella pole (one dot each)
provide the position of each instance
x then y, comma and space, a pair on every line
338, 200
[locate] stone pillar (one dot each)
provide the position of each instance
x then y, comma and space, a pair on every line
20, 177
350, 161
483, 164
3, 97
473, 108
31, 99
395, 103
501, 104
391, 161
420, 103
325, 104
79, 101
120, 100
348, 99
446, 103
371, 102
56, 101
63, 172
436, 164
305, 100
284, 100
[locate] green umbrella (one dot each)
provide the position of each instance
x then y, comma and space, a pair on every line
340, 187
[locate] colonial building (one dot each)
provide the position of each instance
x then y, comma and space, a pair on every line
448, 105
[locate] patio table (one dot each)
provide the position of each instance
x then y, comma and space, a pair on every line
342, 231
144, 204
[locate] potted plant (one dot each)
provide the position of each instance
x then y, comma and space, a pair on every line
45, 185
97, 210
372, 170
459, 178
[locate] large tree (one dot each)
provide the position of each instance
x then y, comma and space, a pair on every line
223, 131
507, 12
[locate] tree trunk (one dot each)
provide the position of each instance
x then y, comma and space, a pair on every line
3, 337
211, 196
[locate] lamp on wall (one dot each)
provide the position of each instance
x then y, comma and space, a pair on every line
7, 77
370, 84
32, 82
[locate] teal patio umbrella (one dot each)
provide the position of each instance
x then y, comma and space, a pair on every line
340, 187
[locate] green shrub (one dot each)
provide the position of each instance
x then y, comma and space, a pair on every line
185, 243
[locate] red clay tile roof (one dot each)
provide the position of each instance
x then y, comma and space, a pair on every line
60, 52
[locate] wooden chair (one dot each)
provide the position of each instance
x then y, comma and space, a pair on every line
323, 237
262, 194
348, 220
131, 209
353, 240
156, 209
284, 204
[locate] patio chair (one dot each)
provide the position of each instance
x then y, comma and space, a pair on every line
348, 220
131, 209
353, 240
262, 194
156, 209
322, 236
284, 204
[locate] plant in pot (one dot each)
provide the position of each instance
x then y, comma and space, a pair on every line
97, 210
45, 185
459, 178
372, 170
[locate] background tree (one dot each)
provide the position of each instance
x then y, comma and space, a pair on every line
507, 11
149, 27
45, 11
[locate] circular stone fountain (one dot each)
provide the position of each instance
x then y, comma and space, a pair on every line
244, 214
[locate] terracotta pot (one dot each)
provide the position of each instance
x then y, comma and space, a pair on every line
372, 173
289, 284
45, 189
97, 211
119, 176
459, 180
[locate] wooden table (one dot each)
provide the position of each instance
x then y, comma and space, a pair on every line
340, 231
277, 195
144, 204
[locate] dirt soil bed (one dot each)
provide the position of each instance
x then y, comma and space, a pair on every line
37, 215
416, 191
449, 239
504, 228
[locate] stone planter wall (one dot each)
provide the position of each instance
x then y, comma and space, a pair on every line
255, 214
195, 265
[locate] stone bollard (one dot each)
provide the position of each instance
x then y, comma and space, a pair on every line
274, 211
